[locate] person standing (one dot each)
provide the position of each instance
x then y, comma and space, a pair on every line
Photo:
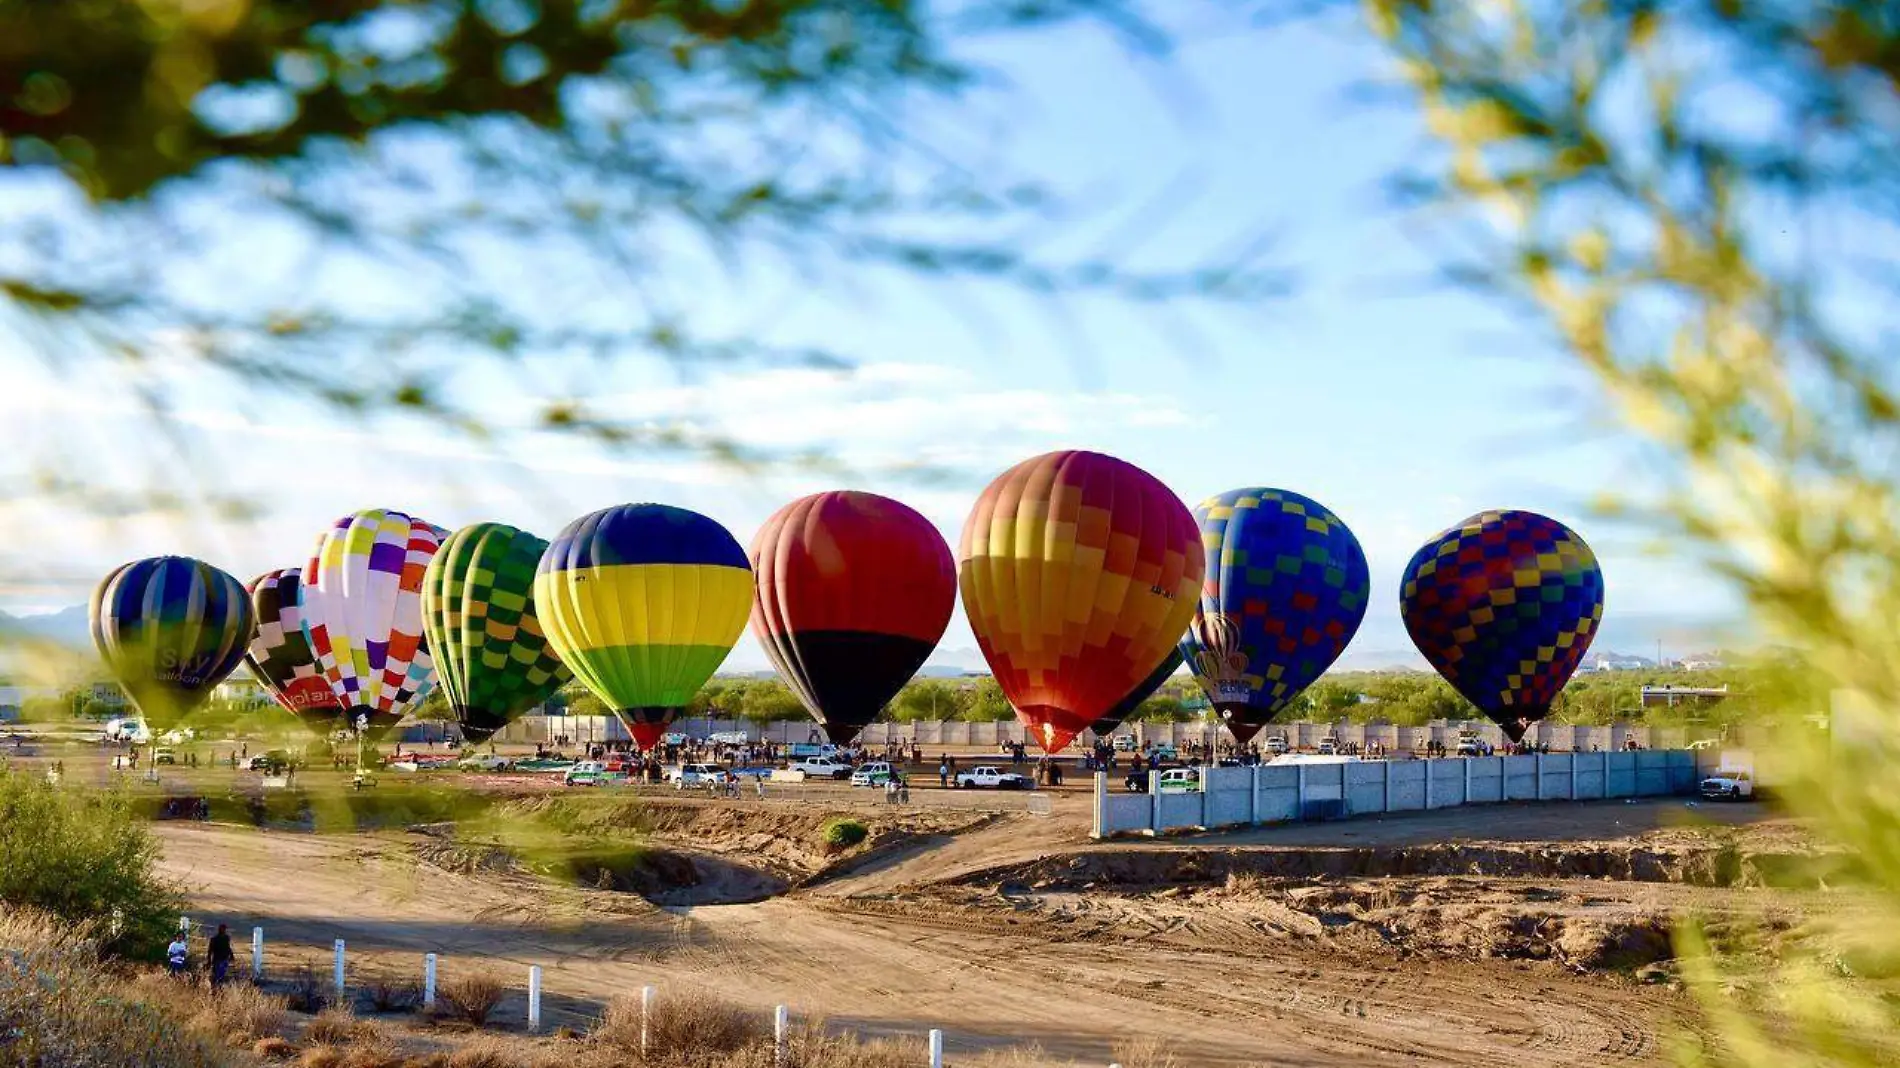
176, 954
943, 773
220, 955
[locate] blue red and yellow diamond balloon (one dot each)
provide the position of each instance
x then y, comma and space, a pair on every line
1504, 605
1286, 589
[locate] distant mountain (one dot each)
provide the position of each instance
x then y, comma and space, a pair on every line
68, 626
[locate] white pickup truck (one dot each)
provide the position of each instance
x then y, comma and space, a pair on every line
1731, 783
993, 778
821, 767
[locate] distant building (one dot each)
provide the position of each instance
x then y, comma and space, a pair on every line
1701, 663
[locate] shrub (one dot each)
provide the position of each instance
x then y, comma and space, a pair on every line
337, 1027
240, 1015
84, 856
684, 1026
843, 834
307, 992
392, 994
473, 997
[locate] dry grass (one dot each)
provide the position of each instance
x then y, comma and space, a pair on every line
240, 1015
696, 1029
1144, 1053
473, 997
338, 1027
50, 986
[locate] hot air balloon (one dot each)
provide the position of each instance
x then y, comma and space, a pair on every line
1504, 605
854, 591
170, 628
362, 613
280, 655
643, 603
1286, 589
478, 616
1078, 573
1143, 690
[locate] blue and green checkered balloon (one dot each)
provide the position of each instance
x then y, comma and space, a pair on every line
1286, 588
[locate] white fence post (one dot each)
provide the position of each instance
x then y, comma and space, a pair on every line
257, 953
936, 1048
534, 997
428, 981
781, 1028
646, 1014
339, 970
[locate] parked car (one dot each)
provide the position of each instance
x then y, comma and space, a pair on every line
696, 776
1276, 744
1469, 745
1178, 781
990, 777
177, 736
1328, 746
873, 774
1124, 743
729, 738
673, 738
1165, 751
590, 773
274, 762
822, 767
128, 729
486, 762
165, 756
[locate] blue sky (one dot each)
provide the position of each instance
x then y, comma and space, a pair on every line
1400, 404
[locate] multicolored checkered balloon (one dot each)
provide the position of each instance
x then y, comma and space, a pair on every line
1504, 605
280, 656
362, 608
478, 617
1287, 586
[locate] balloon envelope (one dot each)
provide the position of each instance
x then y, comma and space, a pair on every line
1504, 605
643, 602
1143, 690
1287, 586
478, 617
854, 591
362, 613
280, 655
170, 629
1078, 572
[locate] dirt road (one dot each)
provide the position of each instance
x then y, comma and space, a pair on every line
868, 949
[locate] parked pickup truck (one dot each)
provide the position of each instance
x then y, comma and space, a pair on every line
821, 768
992, 778
1732, 783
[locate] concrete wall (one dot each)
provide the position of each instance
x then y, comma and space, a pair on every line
1275, 793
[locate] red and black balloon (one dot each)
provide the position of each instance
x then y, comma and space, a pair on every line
854, 591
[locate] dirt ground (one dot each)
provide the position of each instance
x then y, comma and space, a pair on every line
1515, 935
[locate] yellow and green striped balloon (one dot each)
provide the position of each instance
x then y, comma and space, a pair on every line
478, 613
643, 602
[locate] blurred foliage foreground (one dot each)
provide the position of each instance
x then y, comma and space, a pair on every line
1683, 194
